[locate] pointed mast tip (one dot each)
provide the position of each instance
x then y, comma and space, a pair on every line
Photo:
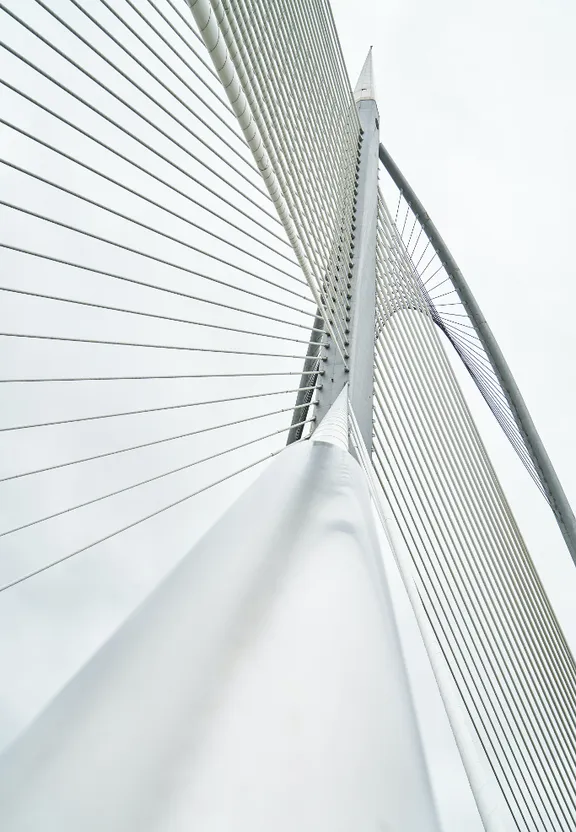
364, 89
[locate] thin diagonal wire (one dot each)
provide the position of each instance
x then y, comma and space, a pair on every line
512, 437
157, 204
432, 276
427, 266
154, 378
396, 489
521, 752
312, 224
171, 69
136, 522
152, 443
501, 410
411, 233
153, 315
526, 562
165, 234
490, 390
405, 220
148, 121
450, 315
497, 397
148, 480
505, 414
460, 622
398, 205
415, 246
127, 77
547, 827
144, 254
189, 67
111, 343
462, 328
227, 400
444, 294
425, 249
185, 19
472, 697
133, 136
176, 292
477, 356
473, 344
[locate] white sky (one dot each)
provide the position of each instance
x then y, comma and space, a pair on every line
476, 105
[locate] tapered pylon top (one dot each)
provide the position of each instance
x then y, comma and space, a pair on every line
364, 89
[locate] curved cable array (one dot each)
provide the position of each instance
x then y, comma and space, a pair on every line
449, 312
154, 314
282, 67
480, 591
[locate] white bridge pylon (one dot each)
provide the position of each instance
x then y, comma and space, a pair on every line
261, 686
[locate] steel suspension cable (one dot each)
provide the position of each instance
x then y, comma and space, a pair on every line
154, 442
153, 315
413, 526
176, 292
145, 481
153, 409
154, 378
128, 78
64, 339
165, 234
60, 560
171, 69
155, 203
134, 110
148, 256
452, 575
139, 140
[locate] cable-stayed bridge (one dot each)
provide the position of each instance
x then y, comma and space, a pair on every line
217, 285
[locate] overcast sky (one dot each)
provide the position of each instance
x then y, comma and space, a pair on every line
476, 104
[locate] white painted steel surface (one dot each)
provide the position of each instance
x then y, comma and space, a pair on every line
260, 687
333, 428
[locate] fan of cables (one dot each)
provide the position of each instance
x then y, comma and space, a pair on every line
155, 317
440, 285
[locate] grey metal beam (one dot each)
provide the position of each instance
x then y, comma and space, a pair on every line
362, 291
534, 445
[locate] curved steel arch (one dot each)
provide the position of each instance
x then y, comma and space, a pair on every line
530, 438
